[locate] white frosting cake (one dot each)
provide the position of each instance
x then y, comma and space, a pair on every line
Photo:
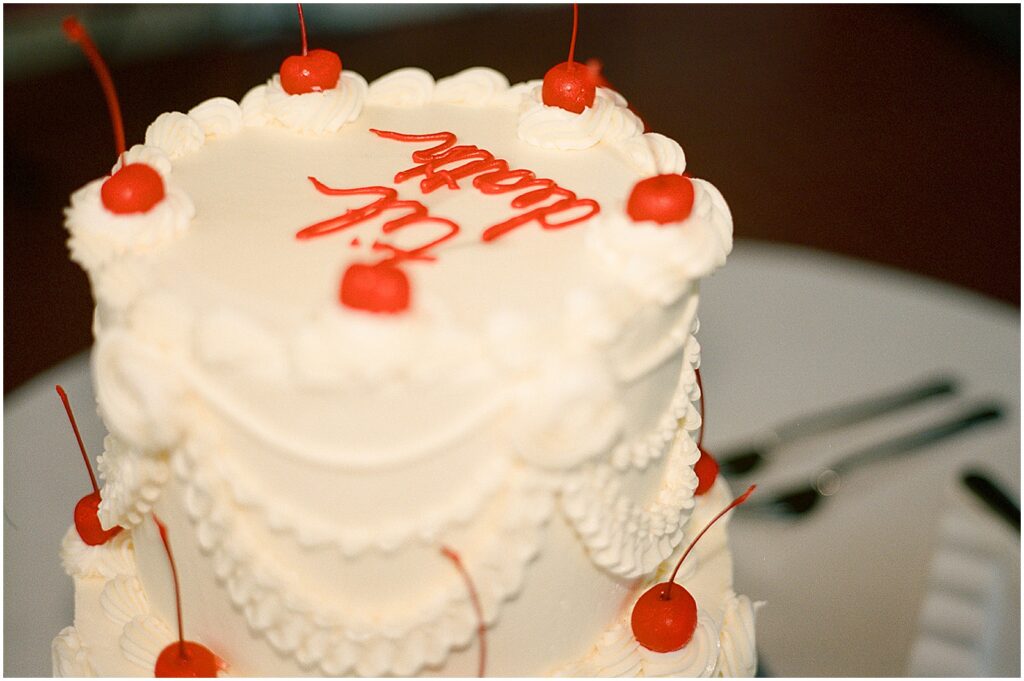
530, 404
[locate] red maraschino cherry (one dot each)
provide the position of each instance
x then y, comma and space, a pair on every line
706, 467
136, 187
662, 199
475, 599
381, 288
665, 616
183, 659
569, 85
311, 71
87, 521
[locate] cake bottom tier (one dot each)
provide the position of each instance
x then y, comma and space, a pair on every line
116, 632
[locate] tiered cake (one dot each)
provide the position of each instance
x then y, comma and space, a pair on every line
368, 327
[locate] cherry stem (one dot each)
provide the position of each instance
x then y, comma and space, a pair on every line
475, 599
700, 387
302, 26
78, 436
575, 26
666, 593
177, 589
76, 33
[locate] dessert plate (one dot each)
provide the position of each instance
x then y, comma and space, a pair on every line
784, 330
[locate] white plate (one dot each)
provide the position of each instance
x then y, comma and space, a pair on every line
784, 331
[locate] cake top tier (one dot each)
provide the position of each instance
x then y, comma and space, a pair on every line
407, 228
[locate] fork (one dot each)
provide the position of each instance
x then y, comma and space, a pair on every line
747, 459
802, 499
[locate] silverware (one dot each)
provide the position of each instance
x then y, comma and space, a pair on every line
744, 460
993, 495
802, 499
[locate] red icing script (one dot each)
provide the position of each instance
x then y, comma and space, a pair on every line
444, 165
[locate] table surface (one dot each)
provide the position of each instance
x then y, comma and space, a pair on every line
784, 331
879, 132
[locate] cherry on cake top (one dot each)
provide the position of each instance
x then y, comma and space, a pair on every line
570, 85
662, 199
313, 70
136, 187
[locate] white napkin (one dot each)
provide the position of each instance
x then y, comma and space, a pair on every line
969, 623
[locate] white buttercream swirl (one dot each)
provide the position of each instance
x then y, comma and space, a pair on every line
608, 121
217, 117
654, 154
98, 235
176, 134
154, 157
69, 655
739, 654
476, 86
116, 557
133, 483
660, 260
123, 599
143, 639
617, 653
409, 87
312, 112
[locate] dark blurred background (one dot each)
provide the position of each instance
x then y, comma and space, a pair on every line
886, 133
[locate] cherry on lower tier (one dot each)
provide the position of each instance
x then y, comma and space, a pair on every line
706, 469
183, 659
87, 521
664, 618
661, 199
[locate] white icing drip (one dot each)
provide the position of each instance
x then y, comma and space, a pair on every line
142, 640
739, 655
476, 86
154, 157
660, 261
217, 117
69, 655
654, 154
98, 235
410, 87
133, 483
550, 127
116, 557
176, 134
317, 113
123, 599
